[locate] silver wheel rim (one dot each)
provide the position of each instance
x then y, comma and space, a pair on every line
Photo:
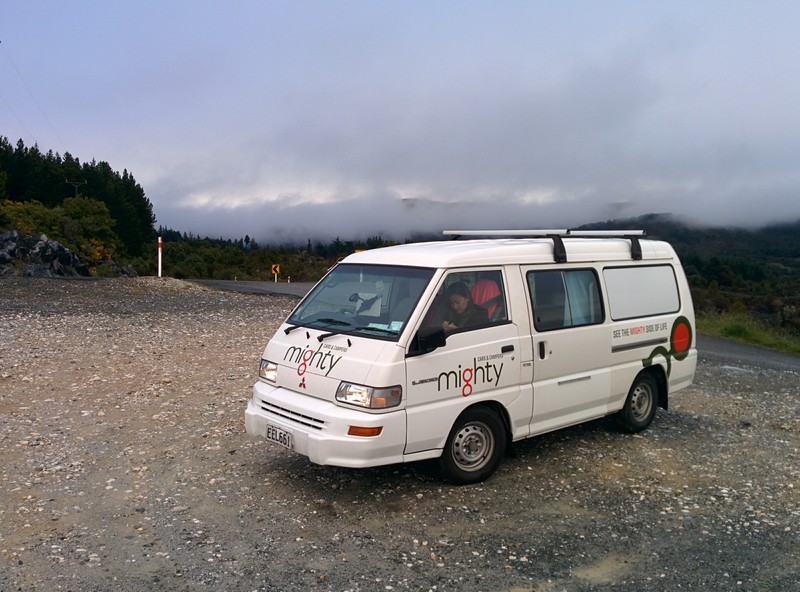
641, 401
473, 446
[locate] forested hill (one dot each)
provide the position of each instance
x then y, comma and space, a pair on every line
776, 241
28, 176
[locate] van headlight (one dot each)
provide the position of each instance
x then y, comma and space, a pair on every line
369, 397
268, 371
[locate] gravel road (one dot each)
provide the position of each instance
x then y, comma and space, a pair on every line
126, 467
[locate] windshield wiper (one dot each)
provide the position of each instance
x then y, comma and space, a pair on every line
333, 322
378, 329
382, 330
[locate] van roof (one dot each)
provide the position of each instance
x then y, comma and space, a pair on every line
505, 251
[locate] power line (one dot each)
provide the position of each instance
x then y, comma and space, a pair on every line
30, 92
25, 127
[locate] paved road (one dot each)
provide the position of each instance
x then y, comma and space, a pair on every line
734, 353
724, 351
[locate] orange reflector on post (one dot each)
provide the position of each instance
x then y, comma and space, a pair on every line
364, 432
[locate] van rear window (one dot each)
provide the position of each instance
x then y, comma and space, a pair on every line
641, 291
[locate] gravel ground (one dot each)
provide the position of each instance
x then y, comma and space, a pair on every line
126, 466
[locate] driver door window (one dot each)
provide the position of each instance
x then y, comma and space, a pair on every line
467, 300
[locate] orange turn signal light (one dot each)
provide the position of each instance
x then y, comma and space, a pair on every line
364, 432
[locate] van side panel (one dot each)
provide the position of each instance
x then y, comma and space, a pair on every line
654, 328
585, 372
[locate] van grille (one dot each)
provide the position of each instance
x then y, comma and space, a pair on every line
293, 416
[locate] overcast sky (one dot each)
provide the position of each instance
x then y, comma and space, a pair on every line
315, 119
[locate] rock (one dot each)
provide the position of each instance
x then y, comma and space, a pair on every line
38, 258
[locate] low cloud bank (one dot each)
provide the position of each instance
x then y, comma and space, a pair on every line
400, 219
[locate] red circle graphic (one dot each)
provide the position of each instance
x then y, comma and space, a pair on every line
681, 338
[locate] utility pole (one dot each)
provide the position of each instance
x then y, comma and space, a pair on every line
76, 184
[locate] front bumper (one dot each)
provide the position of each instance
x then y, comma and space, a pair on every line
319, 428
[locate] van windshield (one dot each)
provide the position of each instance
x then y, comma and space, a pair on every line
368, 300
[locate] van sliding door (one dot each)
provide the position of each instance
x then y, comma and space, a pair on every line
571, 356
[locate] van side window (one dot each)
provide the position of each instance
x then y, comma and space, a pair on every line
641, 291
468, 299
564, 298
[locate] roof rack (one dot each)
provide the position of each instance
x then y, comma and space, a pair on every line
556, 235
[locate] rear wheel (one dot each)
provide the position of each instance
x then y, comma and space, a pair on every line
640, 406
475, 446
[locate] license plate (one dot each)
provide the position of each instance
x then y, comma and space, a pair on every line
279, 436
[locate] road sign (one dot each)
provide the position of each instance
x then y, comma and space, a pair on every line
276, 268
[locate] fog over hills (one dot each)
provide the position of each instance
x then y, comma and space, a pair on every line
400, 219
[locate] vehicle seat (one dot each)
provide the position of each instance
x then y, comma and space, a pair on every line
486, 294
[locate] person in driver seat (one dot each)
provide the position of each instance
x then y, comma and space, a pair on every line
462, 312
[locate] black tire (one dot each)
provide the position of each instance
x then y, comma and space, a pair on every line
474, 448
640, 406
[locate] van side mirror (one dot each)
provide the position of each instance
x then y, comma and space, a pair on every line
426, 340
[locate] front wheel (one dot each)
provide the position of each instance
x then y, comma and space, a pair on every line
640, 406
474, 448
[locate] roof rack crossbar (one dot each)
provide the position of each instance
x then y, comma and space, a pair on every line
557, 236
605, 233
540, 232
524, 233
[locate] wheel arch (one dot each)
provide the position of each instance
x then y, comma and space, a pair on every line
498, 409
660, 376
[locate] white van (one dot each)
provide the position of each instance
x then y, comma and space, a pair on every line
454, 349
